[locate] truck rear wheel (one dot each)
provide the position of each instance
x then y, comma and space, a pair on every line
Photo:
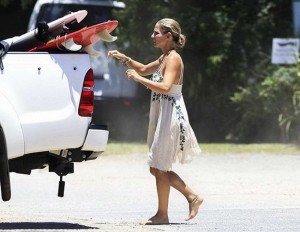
4, 169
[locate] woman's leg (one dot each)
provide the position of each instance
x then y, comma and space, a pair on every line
163, 191
194, 200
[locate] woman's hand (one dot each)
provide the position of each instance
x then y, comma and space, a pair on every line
118, 55
132, 74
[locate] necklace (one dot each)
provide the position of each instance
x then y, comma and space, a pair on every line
169, 51
165, 56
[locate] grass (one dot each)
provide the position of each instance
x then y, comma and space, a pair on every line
263, 148
123, 148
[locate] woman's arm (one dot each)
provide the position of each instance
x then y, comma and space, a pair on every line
171, 75
140, 68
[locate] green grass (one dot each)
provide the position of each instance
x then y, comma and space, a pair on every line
115, 148
264, 148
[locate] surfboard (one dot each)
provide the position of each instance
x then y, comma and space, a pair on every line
46, 31
81, 40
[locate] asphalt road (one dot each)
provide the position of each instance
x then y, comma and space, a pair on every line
246, 192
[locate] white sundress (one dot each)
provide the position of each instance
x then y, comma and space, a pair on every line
170, 135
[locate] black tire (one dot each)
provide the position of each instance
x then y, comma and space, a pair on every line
4, 169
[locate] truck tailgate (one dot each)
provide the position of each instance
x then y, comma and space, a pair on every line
45, 91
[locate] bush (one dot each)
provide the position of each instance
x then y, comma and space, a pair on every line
271, 107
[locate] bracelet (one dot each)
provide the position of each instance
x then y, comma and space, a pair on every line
126, 60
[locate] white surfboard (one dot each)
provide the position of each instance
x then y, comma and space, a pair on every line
33, 38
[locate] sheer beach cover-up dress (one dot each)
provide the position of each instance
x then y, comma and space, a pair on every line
170, 136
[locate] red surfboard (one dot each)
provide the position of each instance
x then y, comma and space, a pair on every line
82, 39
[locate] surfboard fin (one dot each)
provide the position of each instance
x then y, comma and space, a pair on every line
71, 45
104, 35
80, 17
91, 50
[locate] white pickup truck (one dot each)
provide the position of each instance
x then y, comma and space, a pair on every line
46, 104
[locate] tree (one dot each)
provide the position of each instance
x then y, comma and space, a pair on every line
228, 45
24, 3
17, 25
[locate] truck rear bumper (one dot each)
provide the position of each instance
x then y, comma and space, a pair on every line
96, 139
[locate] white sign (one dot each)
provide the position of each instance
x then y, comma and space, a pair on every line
285, 51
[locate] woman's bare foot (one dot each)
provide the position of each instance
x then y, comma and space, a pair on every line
194, 206
156, 220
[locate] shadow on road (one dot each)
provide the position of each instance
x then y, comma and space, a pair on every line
42, 225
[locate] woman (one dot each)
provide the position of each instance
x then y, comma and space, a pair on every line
170, 136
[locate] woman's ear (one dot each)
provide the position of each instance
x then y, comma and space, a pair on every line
169, 35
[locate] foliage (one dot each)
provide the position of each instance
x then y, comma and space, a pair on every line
228, 45
274, 101
17, 25
24, 3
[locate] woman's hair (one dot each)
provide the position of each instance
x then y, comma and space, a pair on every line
172, 26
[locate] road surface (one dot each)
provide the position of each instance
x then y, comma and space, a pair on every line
247, 192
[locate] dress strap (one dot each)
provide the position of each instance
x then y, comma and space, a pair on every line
162, 63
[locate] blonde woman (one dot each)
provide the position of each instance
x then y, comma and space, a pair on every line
170, 136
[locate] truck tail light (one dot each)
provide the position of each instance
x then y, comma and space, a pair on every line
86, 105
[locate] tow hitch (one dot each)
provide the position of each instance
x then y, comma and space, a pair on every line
61, 168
